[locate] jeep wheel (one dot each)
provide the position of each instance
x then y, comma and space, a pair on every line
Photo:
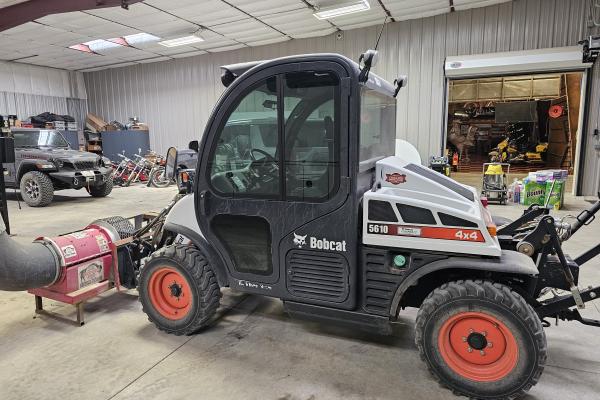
102, 190
36, 189
481, 340
179, 290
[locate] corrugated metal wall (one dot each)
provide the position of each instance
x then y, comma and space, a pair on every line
176, 97
27, 90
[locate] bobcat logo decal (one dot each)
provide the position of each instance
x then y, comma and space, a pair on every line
395, 178
299, 240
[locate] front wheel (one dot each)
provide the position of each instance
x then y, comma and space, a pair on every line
481, 340
158, 178
103, 189
178, 290
37, 189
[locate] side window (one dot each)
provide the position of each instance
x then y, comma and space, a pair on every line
311, 135
244, 160
377, 125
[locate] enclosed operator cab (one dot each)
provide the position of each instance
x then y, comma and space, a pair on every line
299, 196
282, 172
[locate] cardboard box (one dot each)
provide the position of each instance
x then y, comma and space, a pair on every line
60, 125
94, 122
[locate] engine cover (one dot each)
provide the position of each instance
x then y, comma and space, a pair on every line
413, 207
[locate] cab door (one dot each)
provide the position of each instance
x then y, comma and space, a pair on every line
273, 184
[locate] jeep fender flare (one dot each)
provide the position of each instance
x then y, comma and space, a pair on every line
26, 166
510, 262
207, 250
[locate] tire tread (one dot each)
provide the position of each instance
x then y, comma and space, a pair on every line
203, 277
498, 293
46, 189
102, 190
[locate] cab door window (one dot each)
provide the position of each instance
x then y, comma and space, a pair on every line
311, 103
244, 161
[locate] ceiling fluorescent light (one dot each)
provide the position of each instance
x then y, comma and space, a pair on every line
182, 41
94, 46
141, 38
336, 10
101, 44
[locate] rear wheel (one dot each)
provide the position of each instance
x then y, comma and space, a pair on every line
481, 339
37, 189
179, 290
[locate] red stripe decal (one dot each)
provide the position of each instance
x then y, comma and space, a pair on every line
427, 232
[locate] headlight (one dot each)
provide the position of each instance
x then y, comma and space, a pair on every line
45, 165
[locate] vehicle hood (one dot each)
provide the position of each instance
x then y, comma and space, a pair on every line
59, 154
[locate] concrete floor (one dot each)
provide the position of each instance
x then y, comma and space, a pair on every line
254, 351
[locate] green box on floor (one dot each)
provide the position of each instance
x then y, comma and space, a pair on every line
533, 192
555, 193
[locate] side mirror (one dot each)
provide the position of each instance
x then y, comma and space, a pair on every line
194, 145
400, 82
171, 163
368, 59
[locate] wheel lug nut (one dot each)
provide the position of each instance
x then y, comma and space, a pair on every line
490, 344
470, 350
482, 352
484, 333
471, 331
464, 339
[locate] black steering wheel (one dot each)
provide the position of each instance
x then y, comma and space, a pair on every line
268, 157
265, 169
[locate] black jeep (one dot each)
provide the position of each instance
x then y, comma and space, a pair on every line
45, 163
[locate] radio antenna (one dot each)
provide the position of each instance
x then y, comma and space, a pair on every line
368, 58
380, 32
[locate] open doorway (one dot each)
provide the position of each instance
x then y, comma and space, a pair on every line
530, 121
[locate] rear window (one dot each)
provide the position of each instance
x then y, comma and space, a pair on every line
442, 180
377, 125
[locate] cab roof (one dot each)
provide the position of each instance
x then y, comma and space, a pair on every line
233, 71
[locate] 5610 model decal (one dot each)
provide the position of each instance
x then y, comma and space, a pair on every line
428, 232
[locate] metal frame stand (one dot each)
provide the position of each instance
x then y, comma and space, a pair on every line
39, 310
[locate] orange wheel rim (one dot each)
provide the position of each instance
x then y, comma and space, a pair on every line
170, 293
478, 346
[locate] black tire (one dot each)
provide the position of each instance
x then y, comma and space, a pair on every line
37, 189
510, 314
191, 273
101, 190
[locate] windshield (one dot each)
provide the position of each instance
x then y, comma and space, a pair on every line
39, 138
377, 125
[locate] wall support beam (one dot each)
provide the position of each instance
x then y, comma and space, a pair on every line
21, 13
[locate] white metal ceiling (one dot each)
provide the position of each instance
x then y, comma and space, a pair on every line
224, 24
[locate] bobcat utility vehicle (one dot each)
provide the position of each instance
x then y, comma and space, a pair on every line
297, 195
